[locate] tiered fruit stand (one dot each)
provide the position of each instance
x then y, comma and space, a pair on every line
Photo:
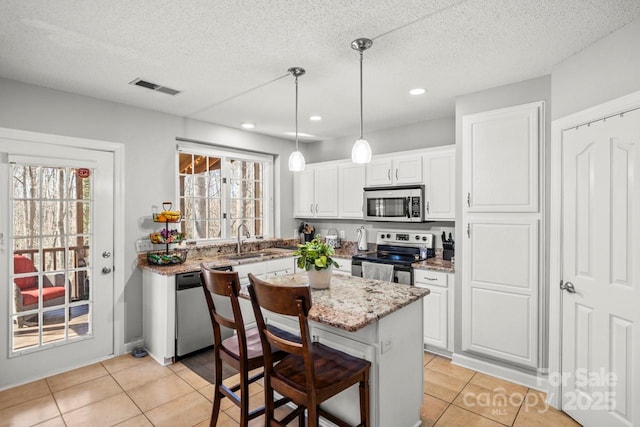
167, 236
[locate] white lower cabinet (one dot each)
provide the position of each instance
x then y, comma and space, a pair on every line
345, 266
438, 308
500, 289
258, 269
280, 267
265, 269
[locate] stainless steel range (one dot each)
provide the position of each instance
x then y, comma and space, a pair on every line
399, 248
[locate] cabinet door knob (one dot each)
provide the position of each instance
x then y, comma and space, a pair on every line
427, 207
396, 174
389, 174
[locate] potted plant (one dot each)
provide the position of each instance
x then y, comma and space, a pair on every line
315, 258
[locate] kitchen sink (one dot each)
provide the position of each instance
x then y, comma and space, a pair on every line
260, 254
246, 256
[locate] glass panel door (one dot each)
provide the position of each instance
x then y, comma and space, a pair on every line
51, 238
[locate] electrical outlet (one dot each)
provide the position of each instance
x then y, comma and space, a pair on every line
386, 345
143, 245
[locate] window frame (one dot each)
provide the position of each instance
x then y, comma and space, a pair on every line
226, 155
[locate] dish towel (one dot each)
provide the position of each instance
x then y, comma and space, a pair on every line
371, 270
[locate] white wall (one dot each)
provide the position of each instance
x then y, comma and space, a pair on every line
150, 145
604, 71
431, 133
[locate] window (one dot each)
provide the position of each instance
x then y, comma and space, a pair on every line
218, 191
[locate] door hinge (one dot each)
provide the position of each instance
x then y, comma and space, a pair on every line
224, 180
224, 216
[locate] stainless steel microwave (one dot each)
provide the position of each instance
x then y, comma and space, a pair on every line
397, 204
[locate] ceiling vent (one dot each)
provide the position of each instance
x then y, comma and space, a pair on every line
153, 86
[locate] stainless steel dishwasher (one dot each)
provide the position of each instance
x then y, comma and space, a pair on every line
193, 324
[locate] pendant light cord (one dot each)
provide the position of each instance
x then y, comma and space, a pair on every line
361, 114
297, 114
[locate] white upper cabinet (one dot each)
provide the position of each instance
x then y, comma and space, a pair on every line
315, 191
439, 184
350, 195
325, 191
303, 193
501, 159
394, 171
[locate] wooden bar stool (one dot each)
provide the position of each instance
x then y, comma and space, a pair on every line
311, 372
243, 351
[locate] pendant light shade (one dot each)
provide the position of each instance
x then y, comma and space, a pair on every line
296, 159
361, 151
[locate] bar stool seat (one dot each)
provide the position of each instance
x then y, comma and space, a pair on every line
335, 371
254, 346
311, 372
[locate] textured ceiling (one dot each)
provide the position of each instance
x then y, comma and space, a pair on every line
216, 51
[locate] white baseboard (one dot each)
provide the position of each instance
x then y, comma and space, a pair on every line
509, 374
132, 345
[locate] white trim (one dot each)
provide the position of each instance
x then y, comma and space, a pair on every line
118, 213
597, 112
518, 377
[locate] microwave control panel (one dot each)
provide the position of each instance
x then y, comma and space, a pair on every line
416, 209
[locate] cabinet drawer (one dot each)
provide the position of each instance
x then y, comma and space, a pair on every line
274, 265
430, 277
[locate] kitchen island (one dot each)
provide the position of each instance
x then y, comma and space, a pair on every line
377, 321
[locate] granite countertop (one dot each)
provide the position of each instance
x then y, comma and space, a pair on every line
436, 263
193, 263
220, 256
351, 303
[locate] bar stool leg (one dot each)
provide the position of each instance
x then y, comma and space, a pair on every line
364, 400
244, 394
217, 395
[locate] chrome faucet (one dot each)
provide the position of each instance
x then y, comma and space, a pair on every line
240, 237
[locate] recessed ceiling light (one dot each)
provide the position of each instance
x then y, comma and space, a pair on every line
417, 91
315, 118
247, 125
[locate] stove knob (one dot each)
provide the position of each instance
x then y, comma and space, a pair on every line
424, 238
382, 236
388, 236
417, 237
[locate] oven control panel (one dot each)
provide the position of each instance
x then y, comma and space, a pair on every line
404, 238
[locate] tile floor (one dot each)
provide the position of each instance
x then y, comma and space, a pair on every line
126, 391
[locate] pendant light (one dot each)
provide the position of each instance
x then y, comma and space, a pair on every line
296, 159
361, 151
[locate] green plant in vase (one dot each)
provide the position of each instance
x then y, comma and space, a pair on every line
315, 254
315, 258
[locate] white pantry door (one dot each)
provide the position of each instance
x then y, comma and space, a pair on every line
56, 250
601, 267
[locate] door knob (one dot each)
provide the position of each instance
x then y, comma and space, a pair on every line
568, 287
106, 270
